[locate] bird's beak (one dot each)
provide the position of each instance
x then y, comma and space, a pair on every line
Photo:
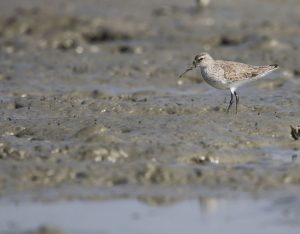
187, 70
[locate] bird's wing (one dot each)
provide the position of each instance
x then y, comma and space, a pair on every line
234, 71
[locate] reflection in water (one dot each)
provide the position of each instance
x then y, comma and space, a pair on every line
208, 205
159, 200
131, 216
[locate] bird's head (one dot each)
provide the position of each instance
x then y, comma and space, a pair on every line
201, 60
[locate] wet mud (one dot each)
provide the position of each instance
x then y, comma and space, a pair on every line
91, 101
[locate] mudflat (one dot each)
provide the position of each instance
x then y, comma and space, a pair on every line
92, 107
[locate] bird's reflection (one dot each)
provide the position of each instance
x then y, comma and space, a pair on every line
208, 205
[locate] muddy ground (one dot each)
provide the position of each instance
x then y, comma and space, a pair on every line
91, 104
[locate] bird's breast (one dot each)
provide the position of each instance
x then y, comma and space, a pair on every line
214, 77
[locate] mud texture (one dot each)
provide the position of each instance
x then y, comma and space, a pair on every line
90, 99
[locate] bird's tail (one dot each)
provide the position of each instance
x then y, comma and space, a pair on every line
274, 66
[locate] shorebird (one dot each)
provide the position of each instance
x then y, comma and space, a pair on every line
230, 75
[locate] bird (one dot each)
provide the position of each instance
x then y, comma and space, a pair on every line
228, 75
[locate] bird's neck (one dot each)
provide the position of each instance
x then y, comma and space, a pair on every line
208, 65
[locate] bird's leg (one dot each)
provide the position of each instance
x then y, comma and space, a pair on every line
230, 102
236, 101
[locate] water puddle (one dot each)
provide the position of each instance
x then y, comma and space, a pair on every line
284, 155
203, 215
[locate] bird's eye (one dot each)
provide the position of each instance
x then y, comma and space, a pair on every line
198, 58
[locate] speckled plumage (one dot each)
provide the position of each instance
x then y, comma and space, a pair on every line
228, 74
234, 71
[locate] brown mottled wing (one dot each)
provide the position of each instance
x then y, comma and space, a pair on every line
234, 71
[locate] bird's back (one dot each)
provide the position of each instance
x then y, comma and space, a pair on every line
235, 71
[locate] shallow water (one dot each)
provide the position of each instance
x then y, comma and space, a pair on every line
205, 215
